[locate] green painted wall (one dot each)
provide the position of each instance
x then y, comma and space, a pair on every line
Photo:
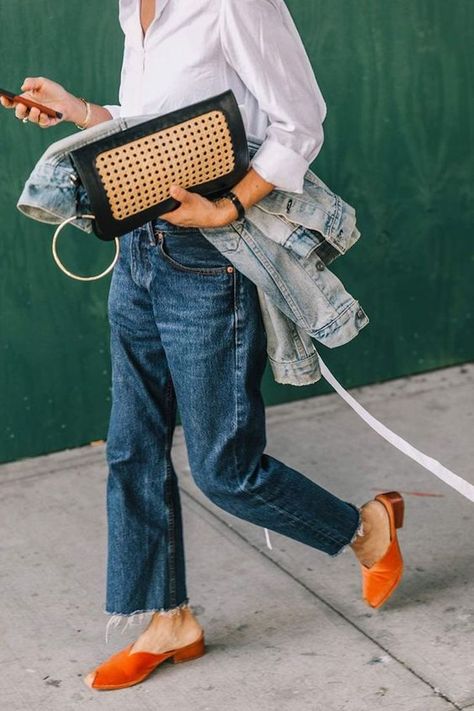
398, 79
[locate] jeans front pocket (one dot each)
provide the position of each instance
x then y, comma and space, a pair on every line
189, 251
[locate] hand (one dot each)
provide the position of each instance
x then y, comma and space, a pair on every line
47, 92
197, 211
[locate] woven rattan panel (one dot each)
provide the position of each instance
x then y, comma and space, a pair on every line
138, 175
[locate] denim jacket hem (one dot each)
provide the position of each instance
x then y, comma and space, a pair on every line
300, 372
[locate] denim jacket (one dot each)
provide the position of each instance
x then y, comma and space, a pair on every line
283, 244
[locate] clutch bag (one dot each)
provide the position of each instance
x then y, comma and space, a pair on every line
127, 175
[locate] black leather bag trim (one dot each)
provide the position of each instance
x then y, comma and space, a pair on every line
105, 226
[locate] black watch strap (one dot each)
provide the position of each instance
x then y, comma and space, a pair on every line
240, 208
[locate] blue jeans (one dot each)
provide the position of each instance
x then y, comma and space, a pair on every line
186, 331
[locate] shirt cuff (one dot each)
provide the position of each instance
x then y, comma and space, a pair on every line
280, 165
113, 110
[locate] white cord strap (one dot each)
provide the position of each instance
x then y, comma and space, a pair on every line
462, 486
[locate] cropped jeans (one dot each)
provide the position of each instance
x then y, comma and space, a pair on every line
186, 333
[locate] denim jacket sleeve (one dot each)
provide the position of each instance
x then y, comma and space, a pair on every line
318, 208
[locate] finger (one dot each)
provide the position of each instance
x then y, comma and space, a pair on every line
32, 83
180, 193
6, 102
176, 217
171, 220
178, 214
34, 114
44, 120
21, 110
172, 214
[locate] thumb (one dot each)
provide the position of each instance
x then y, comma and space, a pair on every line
178, 192
31, 83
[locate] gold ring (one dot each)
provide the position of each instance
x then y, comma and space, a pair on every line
61, 265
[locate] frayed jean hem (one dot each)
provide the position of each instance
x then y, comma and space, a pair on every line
358, 531
137, 616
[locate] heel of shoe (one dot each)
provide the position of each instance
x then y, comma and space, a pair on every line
398, 506
191, 651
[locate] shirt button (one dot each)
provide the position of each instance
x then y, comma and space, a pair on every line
320, 266
360, 313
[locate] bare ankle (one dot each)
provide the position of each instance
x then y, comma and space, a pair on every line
366, 528
177, 618
369, 546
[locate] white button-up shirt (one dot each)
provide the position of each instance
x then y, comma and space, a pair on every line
195, 49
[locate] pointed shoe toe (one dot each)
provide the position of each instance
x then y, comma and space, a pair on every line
126, 669
383, 577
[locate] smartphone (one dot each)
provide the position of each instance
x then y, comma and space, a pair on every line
28, 102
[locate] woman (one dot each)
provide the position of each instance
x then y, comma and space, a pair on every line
186, 329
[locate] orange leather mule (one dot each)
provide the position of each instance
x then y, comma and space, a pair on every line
380, 580
124, 669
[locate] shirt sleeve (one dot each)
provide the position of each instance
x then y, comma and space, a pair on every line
114, 109
261, 42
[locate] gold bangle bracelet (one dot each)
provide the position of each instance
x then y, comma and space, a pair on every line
88, 114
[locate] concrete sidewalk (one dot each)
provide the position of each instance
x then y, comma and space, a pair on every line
286, 628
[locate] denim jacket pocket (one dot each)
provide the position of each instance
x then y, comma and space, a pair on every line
304, 242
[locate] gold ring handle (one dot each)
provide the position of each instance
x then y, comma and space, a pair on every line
61, 265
